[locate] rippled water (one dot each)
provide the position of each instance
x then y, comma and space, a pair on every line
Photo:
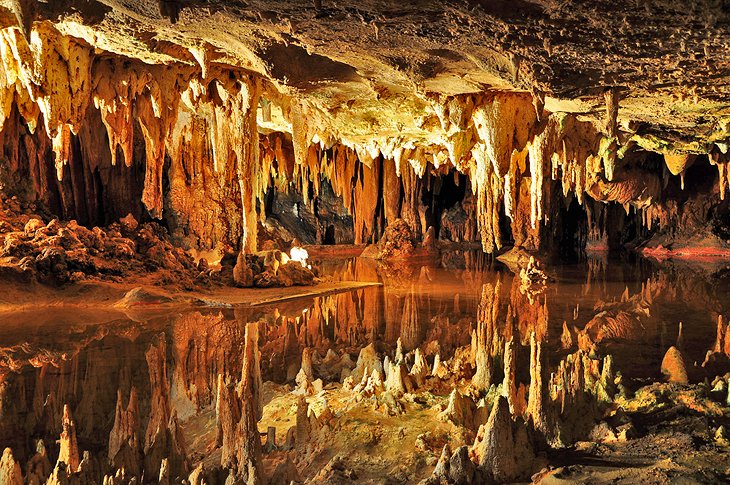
82, 358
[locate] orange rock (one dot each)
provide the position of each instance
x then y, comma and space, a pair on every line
674, 366
69, 453
10, 473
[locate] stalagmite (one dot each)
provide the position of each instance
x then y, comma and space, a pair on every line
307, 363
502, 448
439, 370
270, 444
566, 338
303, 429
397, 381
720, 338
164, 477
680, 338
398, 351
367, 359
10, 473
463, 411
674, 366
69, 453
495, 449
305, 377
60, 475
420, 371
39, 467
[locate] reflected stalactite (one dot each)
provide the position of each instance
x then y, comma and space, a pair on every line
125, 438
511, 389
530, 313
485, 338
163, 437
156, 357
239, 408
411, 327
249, 392
536, 410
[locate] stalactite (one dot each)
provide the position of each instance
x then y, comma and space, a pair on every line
114, 93
504, 123
391, 191
504, 141
540, 151
366, 198
677, 163
610, 143
720, 159
489, 191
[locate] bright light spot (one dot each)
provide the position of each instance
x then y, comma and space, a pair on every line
299, 254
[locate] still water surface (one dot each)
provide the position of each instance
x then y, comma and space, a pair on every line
83, 358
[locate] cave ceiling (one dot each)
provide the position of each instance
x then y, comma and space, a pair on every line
377, 68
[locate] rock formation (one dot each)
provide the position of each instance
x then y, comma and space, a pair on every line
674, 366
69, 452
502, 447
124, 439
10, 473
234, 119
195, 145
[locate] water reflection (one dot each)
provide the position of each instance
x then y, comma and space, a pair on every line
127, 379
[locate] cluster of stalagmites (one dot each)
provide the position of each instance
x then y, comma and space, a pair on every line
511, 438
512, 424
678, 368
203, 119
